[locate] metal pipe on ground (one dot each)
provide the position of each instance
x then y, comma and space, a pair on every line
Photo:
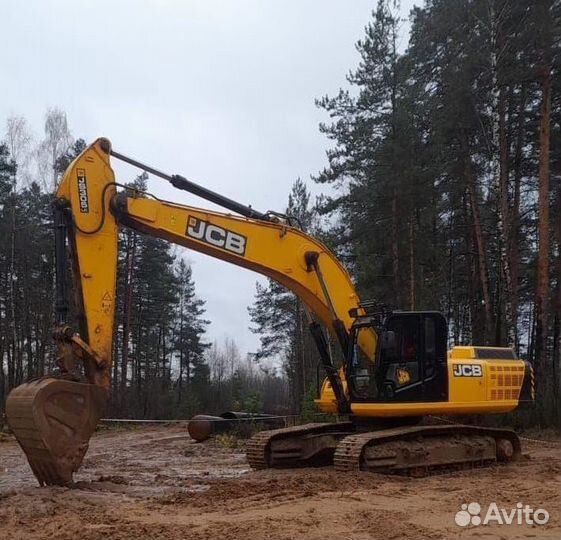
202, 426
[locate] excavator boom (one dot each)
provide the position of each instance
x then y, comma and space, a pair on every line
53, 418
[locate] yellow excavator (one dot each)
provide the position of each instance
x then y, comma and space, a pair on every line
392, 369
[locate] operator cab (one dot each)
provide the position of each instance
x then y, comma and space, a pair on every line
410, 362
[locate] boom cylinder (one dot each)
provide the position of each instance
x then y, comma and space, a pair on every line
180, 182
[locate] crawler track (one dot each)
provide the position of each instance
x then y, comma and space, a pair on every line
296, 446
410, 450
421, 450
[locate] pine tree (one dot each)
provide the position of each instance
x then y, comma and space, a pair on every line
65, 159
8, 344
279, 317
147, 290
382, 185
189, 330
153, 315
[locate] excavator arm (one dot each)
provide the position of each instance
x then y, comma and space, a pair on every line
53, 418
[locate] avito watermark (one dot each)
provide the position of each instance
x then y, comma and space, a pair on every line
471, 514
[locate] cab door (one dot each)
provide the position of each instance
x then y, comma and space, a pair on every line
414, 369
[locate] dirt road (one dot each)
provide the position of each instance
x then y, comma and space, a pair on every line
156, 483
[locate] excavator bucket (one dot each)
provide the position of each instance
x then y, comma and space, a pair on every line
53, 420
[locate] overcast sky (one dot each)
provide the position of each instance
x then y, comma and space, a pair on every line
219, 91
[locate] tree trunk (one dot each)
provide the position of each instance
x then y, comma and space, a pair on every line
542, 286
505, 222
411, 267
127, 308
479, 237
13, 380
2, 373
557, 327
395, 250
514, 247
181, 354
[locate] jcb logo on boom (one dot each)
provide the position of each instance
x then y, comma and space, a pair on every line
216, 236
467, 370
83, 191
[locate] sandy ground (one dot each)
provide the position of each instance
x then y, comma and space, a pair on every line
156, 483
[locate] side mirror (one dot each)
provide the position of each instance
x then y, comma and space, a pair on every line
389, 346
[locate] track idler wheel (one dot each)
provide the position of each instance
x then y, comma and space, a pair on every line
53, 420
505, 450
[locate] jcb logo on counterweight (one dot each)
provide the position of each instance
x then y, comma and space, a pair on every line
83, 191
467, 370
216, 236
